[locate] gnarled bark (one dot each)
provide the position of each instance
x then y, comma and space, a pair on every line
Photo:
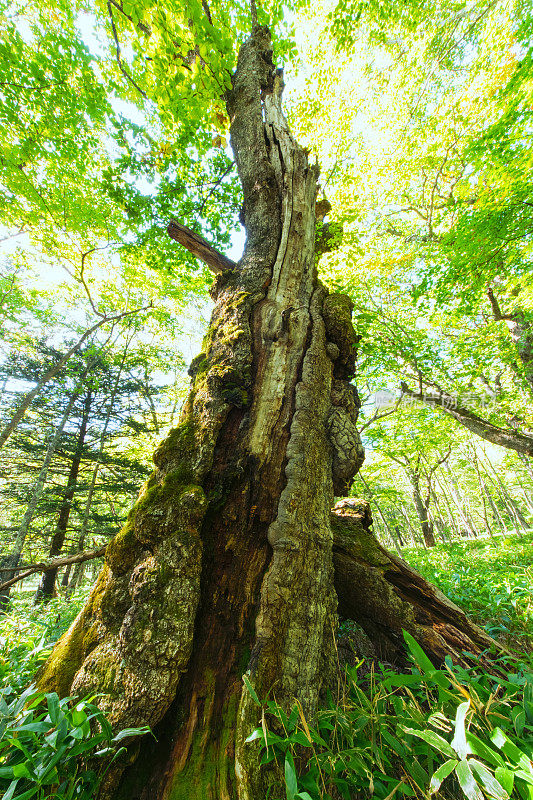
384, 595
226, 563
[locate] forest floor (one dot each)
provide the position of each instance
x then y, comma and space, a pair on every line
491, 579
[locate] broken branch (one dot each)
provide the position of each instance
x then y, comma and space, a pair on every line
200, 247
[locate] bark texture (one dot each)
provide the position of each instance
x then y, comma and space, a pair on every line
226, 563
384, 595
422, 507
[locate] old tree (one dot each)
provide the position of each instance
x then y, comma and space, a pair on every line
232, 562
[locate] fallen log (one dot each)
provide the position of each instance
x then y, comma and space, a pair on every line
384, 595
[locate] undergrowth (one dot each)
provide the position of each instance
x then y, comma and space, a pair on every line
28, 633
453, 732
490, 579
50, 747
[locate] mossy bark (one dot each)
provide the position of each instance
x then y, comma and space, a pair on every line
226, 563
385, 596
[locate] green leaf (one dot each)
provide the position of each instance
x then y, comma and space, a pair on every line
459, 742
52, 701
439, 775
488, 781
10, 791
506, 778
251, 690
291, 782
434, 739
127, 732
467, 782
257, 734
479, 748
525, 776
499, 738
426, 667
22, 771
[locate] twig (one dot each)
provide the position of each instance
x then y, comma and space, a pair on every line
215, 187
119, 59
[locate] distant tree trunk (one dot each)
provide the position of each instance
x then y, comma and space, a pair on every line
482, 493
497, 517
372, 497
519, 514
504, 494
460, 503
12, 560
437, 517
227, 562
412, 532
422, 508
66, 583
399, 536
454, 527
46, 587
526, 493
70, 586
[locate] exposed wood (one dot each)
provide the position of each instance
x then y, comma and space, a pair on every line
200, 247
384, 595
44, 566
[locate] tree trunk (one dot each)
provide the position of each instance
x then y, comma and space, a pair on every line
460, 503
70, 585
439, 517
410, 528
504, 495
226, 563
45, 590
426, 525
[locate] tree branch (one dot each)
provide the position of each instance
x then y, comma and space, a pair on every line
512, 440
119, 58
142, 27
200, 247
377, 416
496, 310
44, 566
56, 368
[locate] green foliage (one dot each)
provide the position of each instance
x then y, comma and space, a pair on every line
28, 634
490, 579
49, 747
45, 742
455, 731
